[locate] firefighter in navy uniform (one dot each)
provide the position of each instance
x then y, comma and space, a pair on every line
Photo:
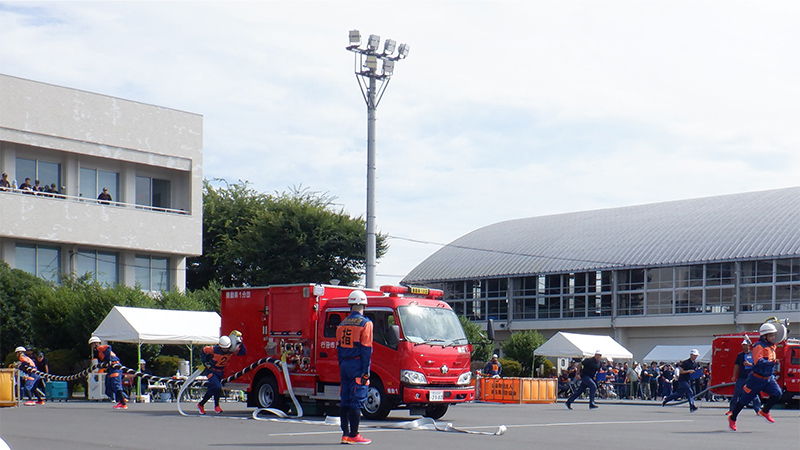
761, 378
685, 380
105, 354
354, 347
216, 358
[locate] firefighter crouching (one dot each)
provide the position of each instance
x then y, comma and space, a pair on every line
215, 359
105, 354
761, 378
354, 347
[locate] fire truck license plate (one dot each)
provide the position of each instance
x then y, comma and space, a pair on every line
436, 396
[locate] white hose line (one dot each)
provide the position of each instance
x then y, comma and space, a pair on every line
185, 386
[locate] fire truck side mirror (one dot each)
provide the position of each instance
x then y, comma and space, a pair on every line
490, 329
394, 336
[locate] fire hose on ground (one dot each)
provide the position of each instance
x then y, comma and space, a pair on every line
424, 423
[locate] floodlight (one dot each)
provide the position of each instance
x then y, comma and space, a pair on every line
374, 42
402, 52
372, 63
388, 46
388, 67
355, 37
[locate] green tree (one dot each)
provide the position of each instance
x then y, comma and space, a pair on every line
17, 307
481, 347
520, 348
254, 239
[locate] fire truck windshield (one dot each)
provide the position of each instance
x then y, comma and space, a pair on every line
434, 326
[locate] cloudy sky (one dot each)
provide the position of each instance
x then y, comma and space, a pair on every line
502, 110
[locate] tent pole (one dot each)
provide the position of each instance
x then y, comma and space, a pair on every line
139, 379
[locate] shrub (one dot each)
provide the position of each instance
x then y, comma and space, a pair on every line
165, 366
63, 361
511, 368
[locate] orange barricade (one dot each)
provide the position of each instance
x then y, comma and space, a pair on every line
518, 390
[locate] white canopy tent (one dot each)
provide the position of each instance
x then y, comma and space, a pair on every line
573, 345
159, 326
674, 353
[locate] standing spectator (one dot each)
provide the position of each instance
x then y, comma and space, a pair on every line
633, 376
588, 370
215, 359
644, 382
623, 381
26, 186
655, 373
493, 368
41, 366
104, 196
761, 377
354, 344
105, 354
741, 369
686, 368
28, 380
667, 374
4, 183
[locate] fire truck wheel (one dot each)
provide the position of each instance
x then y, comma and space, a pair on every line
377, 406
267, 395
436, 410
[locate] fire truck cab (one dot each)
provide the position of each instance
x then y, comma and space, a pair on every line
420, 359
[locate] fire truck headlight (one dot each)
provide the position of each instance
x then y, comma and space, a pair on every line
464, 378
411, 377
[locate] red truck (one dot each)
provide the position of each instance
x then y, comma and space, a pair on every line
727, 346
420, 360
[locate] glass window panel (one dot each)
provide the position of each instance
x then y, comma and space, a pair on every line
26, 168
49, 173
88, 188
525, 286
787, 270
160, 274
631, 280
659, 302
25, 256
85, 263
161, 193
107, 268
142, 272
787, 297
48, 263
756, 298
143, 196
719, 300
496, 287
660, 278
764, 271
720, 274
498, 309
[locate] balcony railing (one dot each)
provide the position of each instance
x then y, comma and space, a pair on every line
79, 199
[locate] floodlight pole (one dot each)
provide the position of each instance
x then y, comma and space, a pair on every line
373, 84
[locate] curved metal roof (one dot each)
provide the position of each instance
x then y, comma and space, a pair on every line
751, 225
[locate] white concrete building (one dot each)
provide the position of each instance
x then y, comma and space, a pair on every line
149, 158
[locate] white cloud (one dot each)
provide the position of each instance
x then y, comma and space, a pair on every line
502, 110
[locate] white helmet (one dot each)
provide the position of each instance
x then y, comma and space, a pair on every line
357, 297
225, 342
20, 349
767, 328
94, 340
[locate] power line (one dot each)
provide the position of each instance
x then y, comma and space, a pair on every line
504, 252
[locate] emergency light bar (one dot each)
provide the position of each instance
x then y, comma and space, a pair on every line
417, 291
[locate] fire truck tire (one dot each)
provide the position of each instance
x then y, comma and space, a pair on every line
267, 395
378, 405
436, 410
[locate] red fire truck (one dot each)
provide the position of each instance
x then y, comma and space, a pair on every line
726, 347
420, 360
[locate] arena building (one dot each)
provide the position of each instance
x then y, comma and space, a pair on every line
76, 144
666, 273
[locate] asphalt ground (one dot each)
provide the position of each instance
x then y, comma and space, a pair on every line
83, 425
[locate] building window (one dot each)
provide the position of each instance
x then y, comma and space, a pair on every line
152, 273
102, 266
46, 172
525, 289
93, 181
153, 192
787, 284
39, 260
